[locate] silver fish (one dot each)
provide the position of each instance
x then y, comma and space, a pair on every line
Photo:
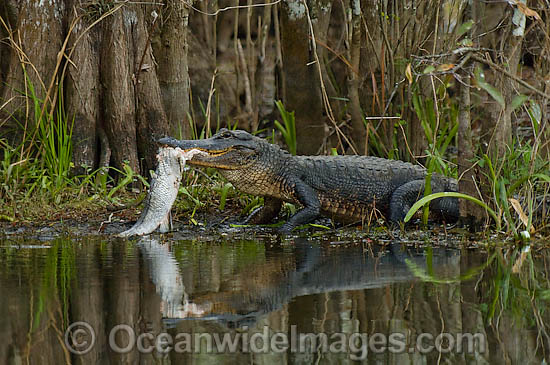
162, 192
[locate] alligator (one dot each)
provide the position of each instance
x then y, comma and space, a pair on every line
345, 188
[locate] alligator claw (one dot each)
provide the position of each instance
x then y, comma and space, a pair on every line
286, 229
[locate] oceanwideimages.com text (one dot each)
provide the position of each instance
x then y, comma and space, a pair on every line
80, 338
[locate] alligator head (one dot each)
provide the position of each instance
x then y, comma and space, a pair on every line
226, 150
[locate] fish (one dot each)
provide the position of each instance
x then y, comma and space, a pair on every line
163, 191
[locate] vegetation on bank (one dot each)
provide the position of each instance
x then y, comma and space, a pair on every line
445, 93
37, 183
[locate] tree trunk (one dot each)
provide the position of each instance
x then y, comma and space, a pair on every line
82, 90
354, 55
151, 122
471, 214
38, 34
510, 46
118, 95
170, 50
8, 13
507, 53
301, 79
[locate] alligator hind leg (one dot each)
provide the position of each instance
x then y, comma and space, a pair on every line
407, 194
266, 213
403, 198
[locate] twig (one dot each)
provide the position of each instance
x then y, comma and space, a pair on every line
453, 52
231, 7
145, 49
247, 87
139, 2
209, 104
326, 101
510, 75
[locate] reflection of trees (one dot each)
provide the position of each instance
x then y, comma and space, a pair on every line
315, 287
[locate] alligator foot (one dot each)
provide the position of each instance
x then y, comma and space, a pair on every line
286, 228
266, 213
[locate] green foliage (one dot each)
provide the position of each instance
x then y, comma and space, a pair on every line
59, 271
491, 90
425, 200
440, 132
288, 130
519, 173
43, 159
54, 136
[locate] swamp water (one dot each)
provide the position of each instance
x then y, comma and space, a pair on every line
104, 300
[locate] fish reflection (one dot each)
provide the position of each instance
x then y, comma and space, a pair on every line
165, 274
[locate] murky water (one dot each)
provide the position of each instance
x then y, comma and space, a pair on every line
102, 301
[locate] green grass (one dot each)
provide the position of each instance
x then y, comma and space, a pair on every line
37, 172
288, 128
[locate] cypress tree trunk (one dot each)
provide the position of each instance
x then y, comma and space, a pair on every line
302, 92
111, 90
82, 88
171, 49
36, 39
117, 75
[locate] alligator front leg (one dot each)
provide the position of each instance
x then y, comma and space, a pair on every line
266, 213
311, 206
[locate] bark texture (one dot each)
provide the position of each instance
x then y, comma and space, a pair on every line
82, 89
171, 49
471, 214
302, 92
118, 83
36, 39
151, 121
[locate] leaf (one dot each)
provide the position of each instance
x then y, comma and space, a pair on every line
519, 210
464, 27
518, 101
526, 10
445, 67
318, 226
408, 74
428, 70
544, 177
6, 218
466, 42
491, 90
535, 114
429, 198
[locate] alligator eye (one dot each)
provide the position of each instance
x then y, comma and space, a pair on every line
226, 135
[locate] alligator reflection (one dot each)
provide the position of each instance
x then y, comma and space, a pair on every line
312, 269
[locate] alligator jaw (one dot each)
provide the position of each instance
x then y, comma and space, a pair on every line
226, 150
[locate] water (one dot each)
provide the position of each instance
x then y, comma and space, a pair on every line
315, 300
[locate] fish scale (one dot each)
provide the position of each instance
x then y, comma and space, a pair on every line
163, 191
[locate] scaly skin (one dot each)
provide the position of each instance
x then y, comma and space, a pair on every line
162, 193
346, 188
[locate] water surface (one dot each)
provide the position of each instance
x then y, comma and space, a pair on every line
314, 300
